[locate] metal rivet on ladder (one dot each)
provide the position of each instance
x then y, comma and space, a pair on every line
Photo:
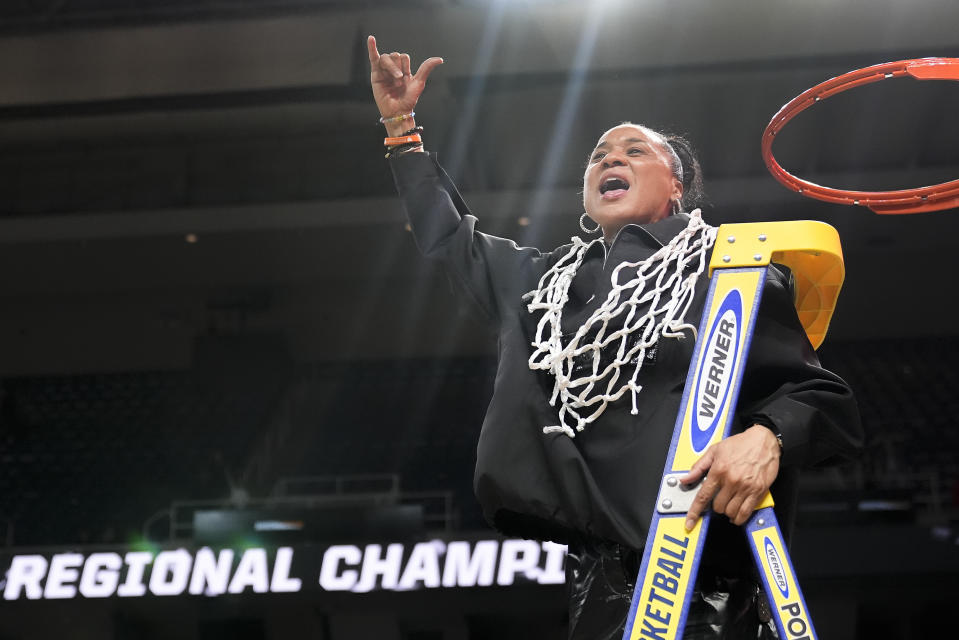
726, 258
667, 504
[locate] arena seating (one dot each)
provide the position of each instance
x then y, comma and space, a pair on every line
115, 448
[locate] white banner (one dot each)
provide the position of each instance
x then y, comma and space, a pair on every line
434, 564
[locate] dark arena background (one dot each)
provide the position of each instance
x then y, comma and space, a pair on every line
236, 403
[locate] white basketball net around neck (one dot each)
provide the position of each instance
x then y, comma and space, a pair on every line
657, 284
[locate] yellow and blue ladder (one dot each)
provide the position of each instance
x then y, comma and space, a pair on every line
737, 270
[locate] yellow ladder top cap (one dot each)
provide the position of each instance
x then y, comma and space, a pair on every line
812, 251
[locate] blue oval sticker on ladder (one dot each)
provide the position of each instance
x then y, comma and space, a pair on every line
776, 567
715, 371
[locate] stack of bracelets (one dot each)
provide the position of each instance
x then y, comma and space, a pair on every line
410, 140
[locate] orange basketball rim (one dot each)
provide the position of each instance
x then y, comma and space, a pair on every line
932, 198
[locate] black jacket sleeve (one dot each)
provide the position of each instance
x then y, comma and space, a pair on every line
784, 386
487, 268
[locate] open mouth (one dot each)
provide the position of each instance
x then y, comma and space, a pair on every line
613, 188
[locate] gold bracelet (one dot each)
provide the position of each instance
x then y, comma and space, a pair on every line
402, 116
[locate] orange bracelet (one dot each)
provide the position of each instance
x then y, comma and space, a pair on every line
395, 142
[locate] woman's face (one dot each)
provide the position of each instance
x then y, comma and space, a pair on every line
629, 179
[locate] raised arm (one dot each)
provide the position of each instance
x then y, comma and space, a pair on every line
491, 272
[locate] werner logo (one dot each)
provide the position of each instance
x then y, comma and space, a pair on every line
715, 371
776, 567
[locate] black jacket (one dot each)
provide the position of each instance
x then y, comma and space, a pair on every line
603, 484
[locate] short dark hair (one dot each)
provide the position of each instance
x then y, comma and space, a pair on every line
691, 173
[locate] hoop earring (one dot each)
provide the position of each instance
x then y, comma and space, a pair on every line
582, 224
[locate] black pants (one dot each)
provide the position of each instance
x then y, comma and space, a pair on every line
600, 581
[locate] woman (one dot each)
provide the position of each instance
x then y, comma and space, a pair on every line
575, 438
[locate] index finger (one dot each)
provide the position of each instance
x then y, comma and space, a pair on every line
371, 47
703, 497
700, 467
